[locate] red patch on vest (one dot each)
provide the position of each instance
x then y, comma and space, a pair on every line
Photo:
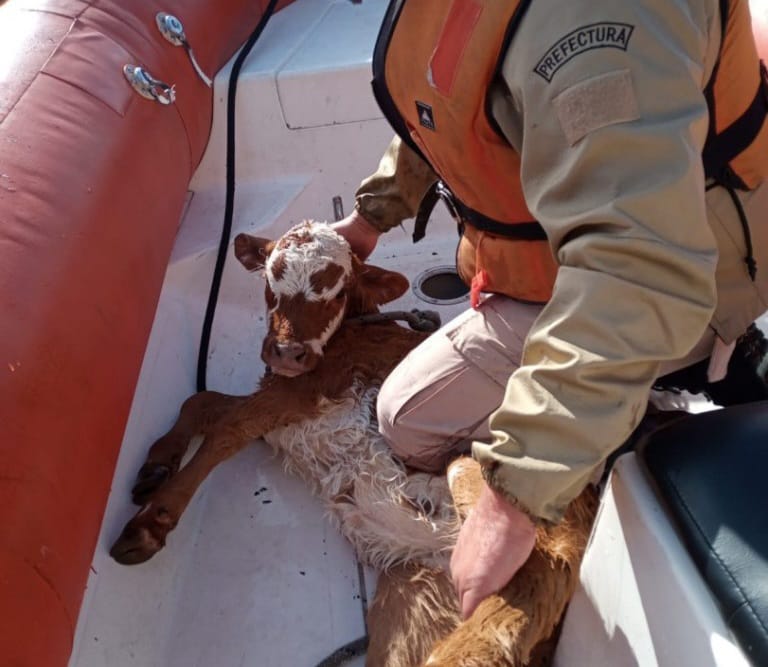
480, 283
454, 37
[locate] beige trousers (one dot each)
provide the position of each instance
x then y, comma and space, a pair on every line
438, 399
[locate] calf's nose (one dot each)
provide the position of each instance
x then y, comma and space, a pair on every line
290, 351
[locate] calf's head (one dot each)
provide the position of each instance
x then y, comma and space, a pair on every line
313, 282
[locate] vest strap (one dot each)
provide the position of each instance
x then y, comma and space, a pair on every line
427, 205
521, 231
721, 148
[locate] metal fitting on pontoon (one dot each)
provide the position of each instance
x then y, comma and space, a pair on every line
172, 29
148, 86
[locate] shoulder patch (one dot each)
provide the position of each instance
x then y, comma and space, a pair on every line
603, 100
588, 37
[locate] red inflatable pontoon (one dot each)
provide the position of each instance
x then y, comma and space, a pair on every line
93, 178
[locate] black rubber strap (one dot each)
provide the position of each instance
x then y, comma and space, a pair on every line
229, 206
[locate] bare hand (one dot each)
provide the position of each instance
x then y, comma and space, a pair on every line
494, 543
360, 234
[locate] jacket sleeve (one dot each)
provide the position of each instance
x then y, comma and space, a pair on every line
611, 168
394, 192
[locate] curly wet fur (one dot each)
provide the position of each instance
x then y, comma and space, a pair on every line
388, 514
414, 608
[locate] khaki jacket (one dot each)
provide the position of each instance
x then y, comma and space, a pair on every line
610, 141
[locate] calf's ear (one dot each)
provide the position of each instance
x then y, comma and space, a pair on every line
375, 286
252, 251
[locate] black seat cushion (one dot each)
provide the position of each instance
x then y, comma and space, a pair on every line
712, 472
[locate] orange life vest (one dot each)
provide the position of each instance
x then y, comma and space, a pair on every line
433, 67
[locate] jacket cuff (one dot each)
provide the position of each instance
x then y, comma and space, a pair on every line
489, 472
541, 488
367, 206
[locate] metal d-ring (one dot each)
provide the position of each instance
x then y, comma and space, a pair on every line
148, 86
172, 29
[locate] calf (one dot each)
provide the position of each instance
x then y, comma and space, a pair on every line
316, 406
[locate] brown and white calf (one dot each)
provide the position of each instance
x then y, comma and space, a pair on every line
316, 406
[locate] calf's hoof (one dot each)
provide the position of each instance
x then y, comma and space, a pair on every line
143, 536
149, 479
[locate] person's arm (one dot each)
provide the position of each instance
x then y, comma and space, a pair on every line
361, 235
611, 164
386, 198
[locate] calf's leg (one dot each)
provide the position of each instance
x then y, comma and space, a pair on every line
197, 415
242, 420
413, 608
509, 628
144, 535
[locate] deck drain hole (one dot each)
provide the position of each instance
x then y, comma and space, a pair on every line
440, 285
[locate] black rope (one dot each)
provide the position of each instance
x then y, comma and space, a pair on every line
749, 259
357, 647
418, 320
229, 206
351, 650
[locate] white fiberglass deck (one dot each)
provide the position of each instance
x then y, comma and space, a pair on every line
254, 575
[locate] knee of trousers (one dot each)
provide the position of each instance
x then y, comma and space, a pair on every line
413, 444
389, 427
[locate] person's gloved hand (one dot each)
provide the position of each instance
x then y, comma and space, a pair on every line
360, 234
494, 543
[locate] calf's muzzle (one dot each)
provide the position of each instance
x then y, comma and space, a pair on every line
289, 358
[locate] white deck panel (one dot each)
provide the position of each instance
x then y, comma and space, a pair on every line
314, 83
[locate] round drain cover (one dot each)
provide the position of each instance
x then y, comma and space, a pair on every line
440, 285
